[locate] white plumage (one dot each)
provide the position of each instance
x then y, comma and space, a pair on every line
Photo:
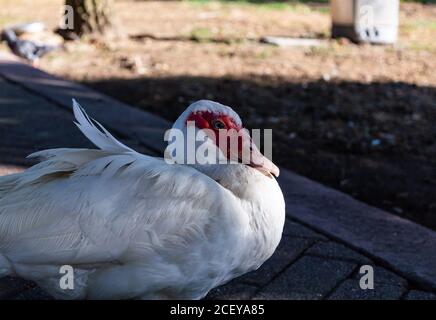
133, 226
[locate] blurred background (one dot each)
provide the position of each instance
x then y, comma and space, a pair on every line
355, 116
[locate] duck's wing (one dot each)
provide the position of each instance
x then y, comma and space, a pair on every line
108, 206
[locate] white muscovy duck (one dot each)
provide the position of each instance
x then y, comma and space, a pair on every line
135, 227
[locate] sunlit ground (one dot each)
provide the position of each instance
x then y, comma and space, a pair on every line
411, 60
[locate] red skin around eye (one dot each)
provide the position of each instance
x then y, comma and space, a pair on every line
204, 119
200, 122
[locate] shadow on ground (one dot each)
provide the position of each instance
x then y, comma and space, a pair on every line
374, 141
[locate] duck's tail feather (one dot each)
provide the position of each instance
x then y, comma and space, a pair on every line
97, 135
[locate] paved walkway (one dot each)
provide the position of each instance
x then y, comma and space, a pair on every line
328, 236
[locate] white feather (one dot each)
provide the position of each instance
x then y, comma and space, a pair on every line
102, 139
133, 226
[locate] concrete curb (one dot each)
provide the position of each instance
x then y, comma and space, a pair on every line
401, 244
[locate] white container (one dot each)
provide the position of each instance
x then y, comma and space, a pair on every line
374, 21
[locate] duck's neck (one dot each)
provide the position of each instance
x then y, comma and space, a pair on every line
237, 178
260, 197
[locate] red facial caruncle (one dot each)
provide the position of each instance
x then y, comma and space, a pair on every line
246, 149
215, 122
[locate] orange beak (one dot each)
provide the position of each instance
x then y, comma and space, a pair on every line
248, 153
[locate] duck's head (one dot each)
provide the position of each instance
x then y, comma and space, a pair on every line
222, 129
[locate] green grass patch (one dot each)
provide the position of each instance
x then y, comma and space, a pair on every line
421, 47
288, 4
421, 1
419, 25
423, 24
296, 6
201, 34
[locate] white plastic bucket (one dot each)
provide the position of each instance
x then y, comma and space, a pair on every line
374, 21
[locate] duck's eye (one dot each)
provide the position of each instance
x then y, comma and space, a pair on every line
218, 124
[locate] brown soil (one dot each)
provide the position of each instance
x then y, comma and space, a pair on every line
359, 118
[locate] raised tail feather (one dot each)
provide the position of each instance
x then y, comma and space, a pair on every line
99, 136
64, 161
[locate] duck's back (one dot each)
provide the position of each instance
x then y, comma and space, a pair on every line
125, 217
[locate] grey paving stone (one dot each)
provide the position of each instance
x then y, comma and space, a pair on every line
385, 277
34, 293
36, 126
312, 277
294, 229
405, 245
350, 290
11, 286
277, 295
232, 291
337, 251
99, 106
152, 138
288, 251
420, 295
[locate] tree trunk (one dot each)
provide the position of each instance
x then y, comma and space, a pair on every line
91, 16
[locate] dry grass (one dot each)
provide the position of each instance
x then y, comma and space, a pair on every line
217, 24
